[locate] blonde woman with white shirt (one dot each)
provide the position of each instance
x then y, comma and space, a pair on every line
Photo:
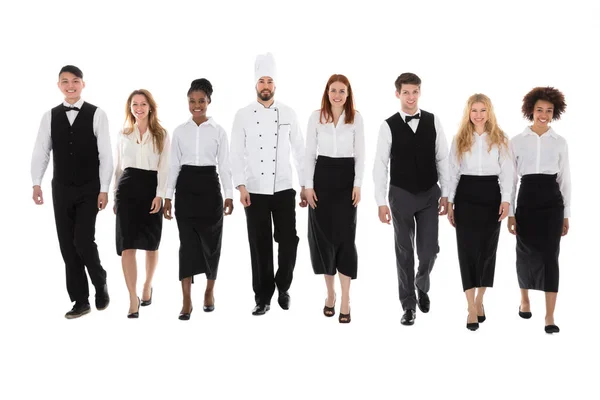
141, 178
335, 156
540, 216
480, 188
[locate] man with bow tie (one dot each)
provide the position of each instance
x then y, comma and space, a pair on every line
413, 143
264, 135
78, 134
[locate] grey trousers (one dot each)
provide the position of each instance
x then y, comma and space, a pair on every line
408, 208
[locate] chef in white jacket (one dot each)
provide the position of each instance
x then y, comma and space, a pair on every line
263, 136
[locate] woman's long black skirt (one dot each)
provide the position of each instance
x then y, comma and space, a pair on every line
476, 207
332, 225
539, 223
199, 215
136, 228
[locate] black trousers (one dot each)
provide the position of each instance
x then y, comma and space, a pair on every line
281, 208
75, 210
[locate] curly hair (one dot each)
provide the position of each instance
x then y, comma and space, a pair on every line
201, 85
548, 94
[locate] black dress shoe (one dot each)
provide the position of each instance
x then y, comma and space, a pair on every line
524, 314
137, 313
551, 329
423, 302
472, 326
102, 299
284, 300
186, 316
408, 318
210, 307
261, 309
149, 301
481, 318
78, 310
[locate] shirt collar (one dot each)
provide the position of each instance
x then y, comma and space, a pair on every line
78, 104
260, 106
210, 121
403, 114
550, 132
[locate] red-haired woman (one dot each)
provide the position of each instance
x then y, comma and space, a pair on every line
141, 177
542, 211
335, 154
480, 188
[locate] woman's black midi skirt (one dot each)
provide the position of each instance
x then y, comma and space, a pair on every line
199, 215
332, 225
539, 223
476, 207
136, 228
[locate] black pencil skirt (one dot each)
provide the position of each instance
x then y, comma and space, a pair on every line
539, 223
332, 225
199, 215
476, 207
136, 228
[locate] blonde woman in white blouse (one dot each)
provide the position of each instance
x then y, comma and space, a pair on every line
335, 156
480, 188
141, 179
540, 216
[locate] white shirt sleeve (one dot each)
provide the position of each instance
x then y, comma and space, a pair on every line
238, 150
453, 171
225, 165
41, 150
506, 176
515, 179
297, 143
310, 157
104, 149
163, 167
382, 160
174, 166
118, 166
564, 178
359, 150
441, 156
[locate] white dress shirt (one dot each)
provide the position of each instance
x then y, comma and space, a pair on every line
382, 157
138, 151
545, 154
479, 161
200, 145
343, 140
43, 146
262, 139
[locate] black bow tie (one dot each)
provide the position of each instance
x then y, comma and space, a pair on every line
409, 117
67, 109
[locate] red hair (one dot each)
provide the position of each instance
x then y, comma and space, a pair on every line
326, 112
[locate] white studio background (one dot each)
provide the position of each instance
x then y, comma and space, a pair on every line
457, 48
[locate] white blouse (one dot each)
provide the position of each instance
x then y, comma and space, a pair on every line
343, 140
545, 154
479, 161
137, 151
200, 145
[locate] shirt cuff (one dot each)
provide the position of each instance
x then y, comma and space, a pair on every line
37, 182
104, 188
169, 193
567, 212
229, 194
381, 201
160, 194
511, 210
309, 184
506, 199
357, 182
450, 197
237, 181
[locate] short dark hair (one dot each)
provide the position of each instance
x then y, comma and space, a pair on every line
548, 94
201, 85
407, 78
72, 69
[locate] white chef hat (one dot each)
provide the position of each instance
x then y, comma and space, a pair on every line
264, 66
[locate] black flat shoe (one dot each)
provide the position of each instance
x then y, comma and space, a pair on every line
423, 301
551, 329
102, 298
78, 310
329, 311
211, 307
186, 316
137, 313
481, 318
149, 301
408, 318
261, 309
524, 314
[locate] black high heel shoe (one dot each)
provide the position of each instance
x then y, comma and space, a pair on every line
186, 316
149, 301
329, 311
481, 318
524, 314
137, 313
211, 307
